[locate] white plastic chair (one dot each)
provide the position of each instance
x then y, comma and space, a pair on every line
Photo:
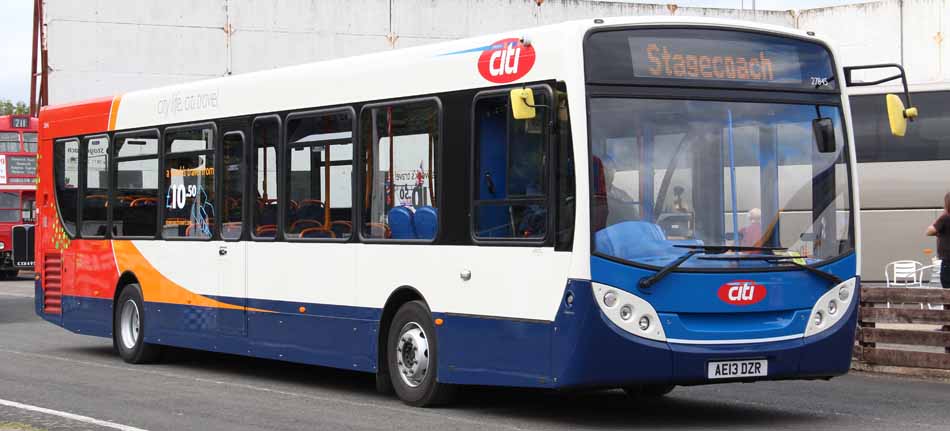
903, 273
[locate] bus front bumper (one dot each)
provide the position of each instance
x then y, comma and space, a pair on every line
605, 355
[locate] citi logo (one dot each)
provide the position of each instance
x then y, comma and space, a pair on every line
742, 292
506, 61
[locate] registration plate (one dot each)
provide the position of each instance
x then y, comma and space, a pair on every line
738, 369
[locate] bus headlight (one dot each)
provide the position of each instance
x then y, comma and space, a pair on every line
635, 315
831, 307
3, 245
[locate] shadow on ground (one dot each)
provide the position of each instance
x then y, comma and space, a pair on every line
602, 409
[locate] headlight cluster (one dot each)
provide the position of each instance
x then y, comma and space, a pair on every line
831, 307
628, 311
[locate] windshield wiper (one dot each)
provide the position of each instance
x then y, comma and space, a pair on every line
719, 249
780, 259
646, 282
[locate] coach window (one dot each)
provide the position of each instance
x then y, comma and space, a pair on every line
135, 201
96, 193
66, 167
189, 183
264, 181
400, 149
510, 191
233, 185
320, 184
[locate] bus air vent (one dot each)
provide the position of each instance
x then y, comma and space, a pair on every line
52, 283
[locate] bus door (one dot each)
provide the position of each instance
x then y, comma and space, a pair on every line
232, 252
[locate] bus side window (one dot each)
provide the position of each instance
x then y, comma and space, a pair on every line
189, 183
565, 176
400, 148
233, 185
134, 204
510, 171
320, 201
66, 166
96, 194
264, 181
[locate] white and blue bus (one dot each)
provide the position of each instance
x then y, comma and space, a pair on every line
630, 203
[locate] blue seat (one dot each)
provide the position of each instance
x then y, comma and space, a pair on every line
401, 223
634, 239
533, 222
426, 222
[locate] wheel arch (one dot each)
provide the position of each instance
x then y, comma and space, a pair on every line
400, 296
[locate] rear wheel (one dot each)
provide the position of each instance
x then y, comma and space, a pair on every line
648, 391
413, 357
128, 330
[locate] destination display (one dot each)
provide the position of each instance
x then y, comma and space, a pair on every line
709, 57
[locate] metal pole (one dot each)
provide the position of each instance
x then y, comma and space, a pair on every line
34, 108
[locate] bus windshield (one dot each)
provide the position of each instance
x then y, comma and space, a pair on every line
668, 173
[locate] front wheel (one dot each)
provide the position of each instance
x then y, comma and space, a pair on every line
128, 330
648, 391
412, 355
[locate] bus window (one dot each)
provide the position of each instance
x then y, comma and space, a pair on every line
135, 204
233, 181
320, 201
264, 164
189, 186
9, 142
509, 171
9, 207
401, 144
66, 166
28, 209
96, 195
29, 142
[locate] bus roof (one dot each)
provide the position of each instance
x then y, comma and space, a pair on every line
427, 69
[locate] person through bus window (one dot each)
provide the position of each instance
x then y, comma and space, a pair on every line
750, 235
941, 230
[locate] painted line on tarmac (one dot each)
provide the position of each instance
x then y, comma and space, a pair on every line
15, 295
67, 415
407, 410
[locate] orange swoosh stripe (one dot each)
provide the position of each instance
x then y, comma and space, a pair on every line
158, 288
114, 112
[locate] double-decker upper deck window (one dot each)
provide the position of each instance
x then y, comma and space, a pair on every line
29, 142
320, 187
510, 171
135, 203
400, 148
10, 142
96, 195
66, 167
189, 183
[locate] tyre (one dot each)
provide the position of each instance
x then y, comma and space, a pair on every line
128, 328
412, 355
648, 391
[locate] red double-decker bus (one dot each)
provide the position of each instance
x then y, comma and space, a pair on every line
17, 192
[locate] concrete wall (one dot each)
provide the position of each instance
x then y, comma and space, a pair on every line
101, 47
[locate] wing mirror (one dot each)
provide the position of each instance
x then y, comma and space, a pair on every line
897, 115
522, 104
824, 130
